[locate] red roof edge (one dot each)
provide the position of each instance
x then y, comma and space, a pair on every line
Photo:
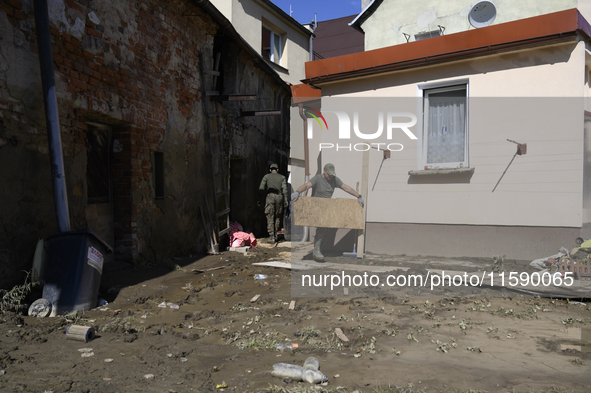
557, 25
302, 93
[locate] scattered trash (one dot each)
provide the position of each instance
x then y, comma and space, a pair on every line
336, 376
260, 276
578, 303
576, 262
255, 298
239, 238
309, 372
149, 376
221, 385
169, 305
87, 354
183, 360
87, 350
351, 254
80, 333
109, 360
341, 335
292, 305
281, 347
40, 308
357, 355
2, 372
102, 302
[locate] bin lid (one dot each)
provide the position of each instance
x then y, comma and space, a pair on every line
40, 308
84, 231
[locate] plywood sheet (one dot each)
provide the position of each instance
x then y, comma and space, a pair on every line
328, 213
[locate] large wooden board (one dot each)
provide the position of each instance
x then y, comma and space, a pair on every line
328, 213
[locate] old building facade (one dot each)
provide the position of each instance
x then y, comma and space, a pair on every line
142, 87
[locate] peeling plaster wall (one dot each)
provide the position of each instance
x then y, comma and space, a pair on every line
133, 65
387, 25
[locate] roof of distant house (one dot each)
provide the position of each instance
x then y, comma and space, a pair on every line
550, 28
336, 38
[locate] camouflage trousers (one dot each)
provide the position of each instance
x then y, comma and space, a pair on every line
273, 212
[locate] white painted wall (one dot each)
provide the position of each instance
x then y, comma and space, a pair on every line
534, 96
247, 17
395, 17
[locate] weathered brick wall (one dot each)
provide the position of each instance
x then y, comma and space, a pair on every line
133, 65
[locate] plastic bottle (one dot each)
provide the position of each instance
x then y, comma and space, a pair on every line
284, 370
309, 373
260, 276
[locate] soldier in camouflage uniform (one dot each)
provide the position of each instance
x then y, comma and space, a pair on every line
275, 186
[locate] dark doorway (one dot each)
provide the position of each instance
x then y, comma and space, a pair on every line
99, 210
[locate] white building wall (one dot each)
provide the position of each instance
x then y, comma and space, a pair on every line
387, 25
247, 18
533, 97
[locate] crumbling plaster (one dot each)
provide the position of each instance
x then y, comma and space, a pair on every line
132, 65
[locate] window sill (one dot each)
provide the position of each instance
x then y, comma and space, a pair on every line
450, 171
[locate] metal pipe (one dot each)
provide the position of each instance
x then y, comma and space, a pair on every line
306, 148
313, 28
60, 195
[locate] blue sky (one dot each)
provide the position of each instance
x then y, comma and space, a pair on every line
303, 10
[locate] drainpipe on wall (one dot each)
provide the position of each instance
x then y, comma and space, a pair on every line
51, 115
306, 149
313, 27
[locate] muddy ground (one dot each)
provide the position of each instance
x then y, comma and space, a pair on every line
218, 340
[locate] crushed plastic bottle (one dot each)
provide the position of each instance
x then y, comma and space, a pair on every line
309, 373
285, 370
260, 276
281, 347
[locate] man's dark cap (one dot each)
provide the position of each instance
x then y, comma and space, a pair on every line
274, 166
329, 168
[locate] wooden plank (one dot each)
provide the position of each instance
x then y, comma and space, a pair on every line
255, 298
341, 335
260, 113
328, 213
234, 97
364, 186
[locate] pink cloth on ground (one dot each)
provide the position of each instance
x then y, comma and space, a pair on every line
239, 238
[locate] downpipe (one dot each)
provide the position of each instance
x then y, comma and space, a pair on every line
51, 115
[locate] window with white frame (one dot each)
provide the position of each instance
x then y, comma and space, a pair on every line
445, 127
271, 45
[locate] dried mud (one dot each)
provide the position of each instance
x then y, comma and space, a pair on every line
218, 340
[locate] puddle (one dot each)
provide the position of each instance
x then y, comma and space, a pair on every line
576, 339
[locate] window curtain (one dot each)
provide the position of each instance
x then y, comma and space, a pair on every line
446, 133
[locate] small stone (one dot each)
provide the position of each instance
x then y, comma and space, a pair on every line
87, 354
86, 350
149, 376
108, 360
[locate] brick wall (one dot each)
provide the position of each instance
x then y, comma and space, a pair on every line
132, 65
